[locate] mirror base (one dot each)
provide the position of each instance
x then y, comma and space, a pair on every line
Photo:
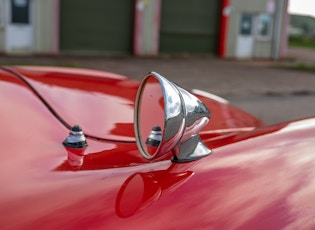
190, 150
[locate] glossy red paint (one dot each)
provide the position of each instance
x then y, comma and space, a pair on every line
255, 179
102, 103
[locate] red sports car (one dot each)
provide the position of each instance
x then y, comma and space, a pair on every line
85, 149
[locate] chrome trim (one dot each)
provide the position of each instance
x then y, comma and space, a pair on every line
76, 138
184, 117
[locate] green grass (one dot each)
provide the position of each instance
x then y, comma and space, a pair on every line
303, 67
302, 42
306, 44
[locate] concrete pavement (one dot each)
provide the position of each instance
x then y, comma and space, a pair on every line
302, 55
222, 77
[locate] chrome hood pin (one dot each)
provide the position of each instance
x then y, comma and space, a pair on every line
76, 138
75, 144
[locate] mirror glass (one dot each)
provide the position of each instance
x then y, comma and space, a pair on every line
151, 116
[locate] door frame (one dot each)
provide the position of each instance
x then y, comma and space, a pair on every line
246, 35
19, 36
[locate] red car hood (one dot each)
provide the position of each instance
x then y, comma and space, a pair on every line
259, 179
102, 103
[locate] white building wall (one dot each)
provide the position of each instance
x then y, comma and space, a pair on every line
2, 25
46, 28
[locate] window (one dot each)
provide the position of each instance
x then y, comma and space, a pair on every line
246, 24
264, 27
20, 11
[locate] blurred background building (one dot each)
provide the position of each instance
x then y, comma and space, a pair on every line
256, 29
29, 26
227, 28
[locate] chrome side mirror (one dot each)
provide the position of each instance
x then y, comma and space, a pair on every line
168, 118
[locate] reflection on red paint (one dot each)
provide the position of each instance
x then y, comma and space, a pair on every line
140, 190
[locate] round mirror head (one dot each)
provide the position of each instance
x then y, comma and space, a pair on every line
158, 106
168, 118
